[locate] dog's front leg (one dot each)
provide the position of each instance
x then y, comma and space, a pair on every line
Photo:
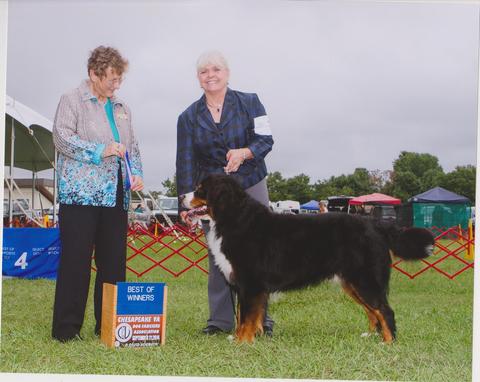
250, 313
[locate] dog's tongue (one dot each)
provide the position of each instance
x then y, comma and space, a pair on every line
199, 211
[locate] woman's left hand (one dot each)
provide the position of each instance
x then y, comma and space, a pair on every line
137, 184
235, 158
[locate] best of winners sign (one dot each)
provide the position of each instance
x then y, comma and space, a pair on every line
134, 314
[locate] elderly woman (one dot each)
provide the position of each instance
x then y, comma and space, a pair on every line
225, 131
93, 135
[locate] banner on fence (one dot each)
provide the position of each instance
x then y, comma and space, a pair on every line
31, 252
134, 314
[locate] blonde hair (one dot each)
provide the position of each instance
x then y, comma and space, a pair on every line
212, 57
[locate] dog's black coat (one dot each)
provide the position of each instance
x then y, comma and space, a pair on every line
274, 252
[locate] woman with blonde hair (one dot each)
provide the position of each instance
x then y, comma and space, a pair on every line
225, 131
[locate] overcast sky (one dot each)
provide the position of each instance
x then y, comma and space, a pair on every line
346, 84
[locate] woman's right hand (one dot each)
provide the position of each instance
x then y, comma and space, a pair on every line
114, 149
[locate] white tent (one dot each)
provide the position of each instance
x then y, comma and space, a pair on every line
28, 143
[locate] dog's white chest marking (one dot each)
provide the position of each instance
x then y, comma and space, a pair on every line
215, 245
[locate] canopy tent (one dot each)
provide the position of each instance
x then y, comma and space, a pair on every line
440, 208
33, 144
375, 198
28, 143
439, 195
312, 205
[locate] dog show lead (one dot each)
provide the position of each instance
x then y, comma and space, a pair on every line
225, 131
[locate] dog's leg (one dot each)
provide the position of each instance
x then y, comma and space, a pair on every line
388, 324
374, 324
251, 316
386, 318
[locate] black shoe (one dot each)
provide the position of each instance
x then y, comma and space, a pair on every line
68, 339
268, 331
212, 329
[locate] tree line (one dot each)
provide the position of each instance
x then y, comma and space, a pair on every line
412, 174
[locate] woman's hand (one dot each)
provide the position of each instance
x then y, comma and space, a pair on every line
235, 158
137, 183
114, 149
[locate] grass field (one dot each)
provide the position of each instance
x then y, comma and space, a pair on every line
317, 335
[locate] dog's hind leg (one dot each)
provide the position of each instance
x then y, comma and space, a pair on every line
374, 324
384, 314
250, 316
387, 319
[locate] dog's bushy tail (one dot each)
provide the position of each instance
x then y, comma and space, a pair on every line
412, 243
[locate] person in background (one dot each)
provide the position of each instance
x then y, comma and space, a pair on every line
322, 208
92, 133
225, 131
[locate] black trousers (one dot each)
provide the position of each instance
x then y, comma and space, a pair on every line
82, 230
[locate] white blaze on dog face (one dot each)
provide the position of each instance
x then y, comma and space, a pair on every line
187, 200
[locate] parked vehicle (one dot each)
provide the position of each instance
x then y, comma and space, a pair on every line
384, 212
286, 207
169, 205
338, 203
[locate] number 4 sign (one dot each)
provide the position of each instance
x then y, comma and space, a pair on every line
31, 252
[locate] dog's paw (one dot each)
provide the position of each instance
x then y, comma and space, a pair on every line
230, 338
368, 334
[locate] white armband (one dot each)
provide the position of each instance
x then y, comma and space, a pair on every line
262, 125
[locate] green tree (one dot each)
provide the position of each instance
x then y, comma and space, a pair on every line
299, 188
170, 186
276, 186
360, 182
416, 163
414, 173
461, 181
405, 185
379, 180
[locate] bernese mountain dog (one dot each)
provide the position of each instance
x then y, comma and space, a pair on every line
261, 252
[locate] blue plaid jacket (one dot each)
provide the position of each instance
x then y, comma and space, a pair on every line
202, 146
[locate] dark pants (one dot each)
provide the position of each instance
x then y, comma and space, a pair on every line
82, 230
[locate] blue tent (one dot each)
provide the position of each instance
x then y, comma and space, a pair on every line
439, 195
312, 205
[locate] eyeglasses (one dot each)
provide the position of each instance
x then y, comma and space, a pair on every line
114, 81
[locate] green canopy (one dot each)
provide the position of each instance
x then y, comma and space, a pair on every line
33, 145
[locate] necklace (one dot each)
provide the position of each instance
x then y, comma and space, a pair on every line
217, 108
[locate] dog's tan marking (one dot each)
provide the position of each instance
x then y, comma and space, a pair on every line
374, 315
372, 319
387, 334
252, 324
197, 202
